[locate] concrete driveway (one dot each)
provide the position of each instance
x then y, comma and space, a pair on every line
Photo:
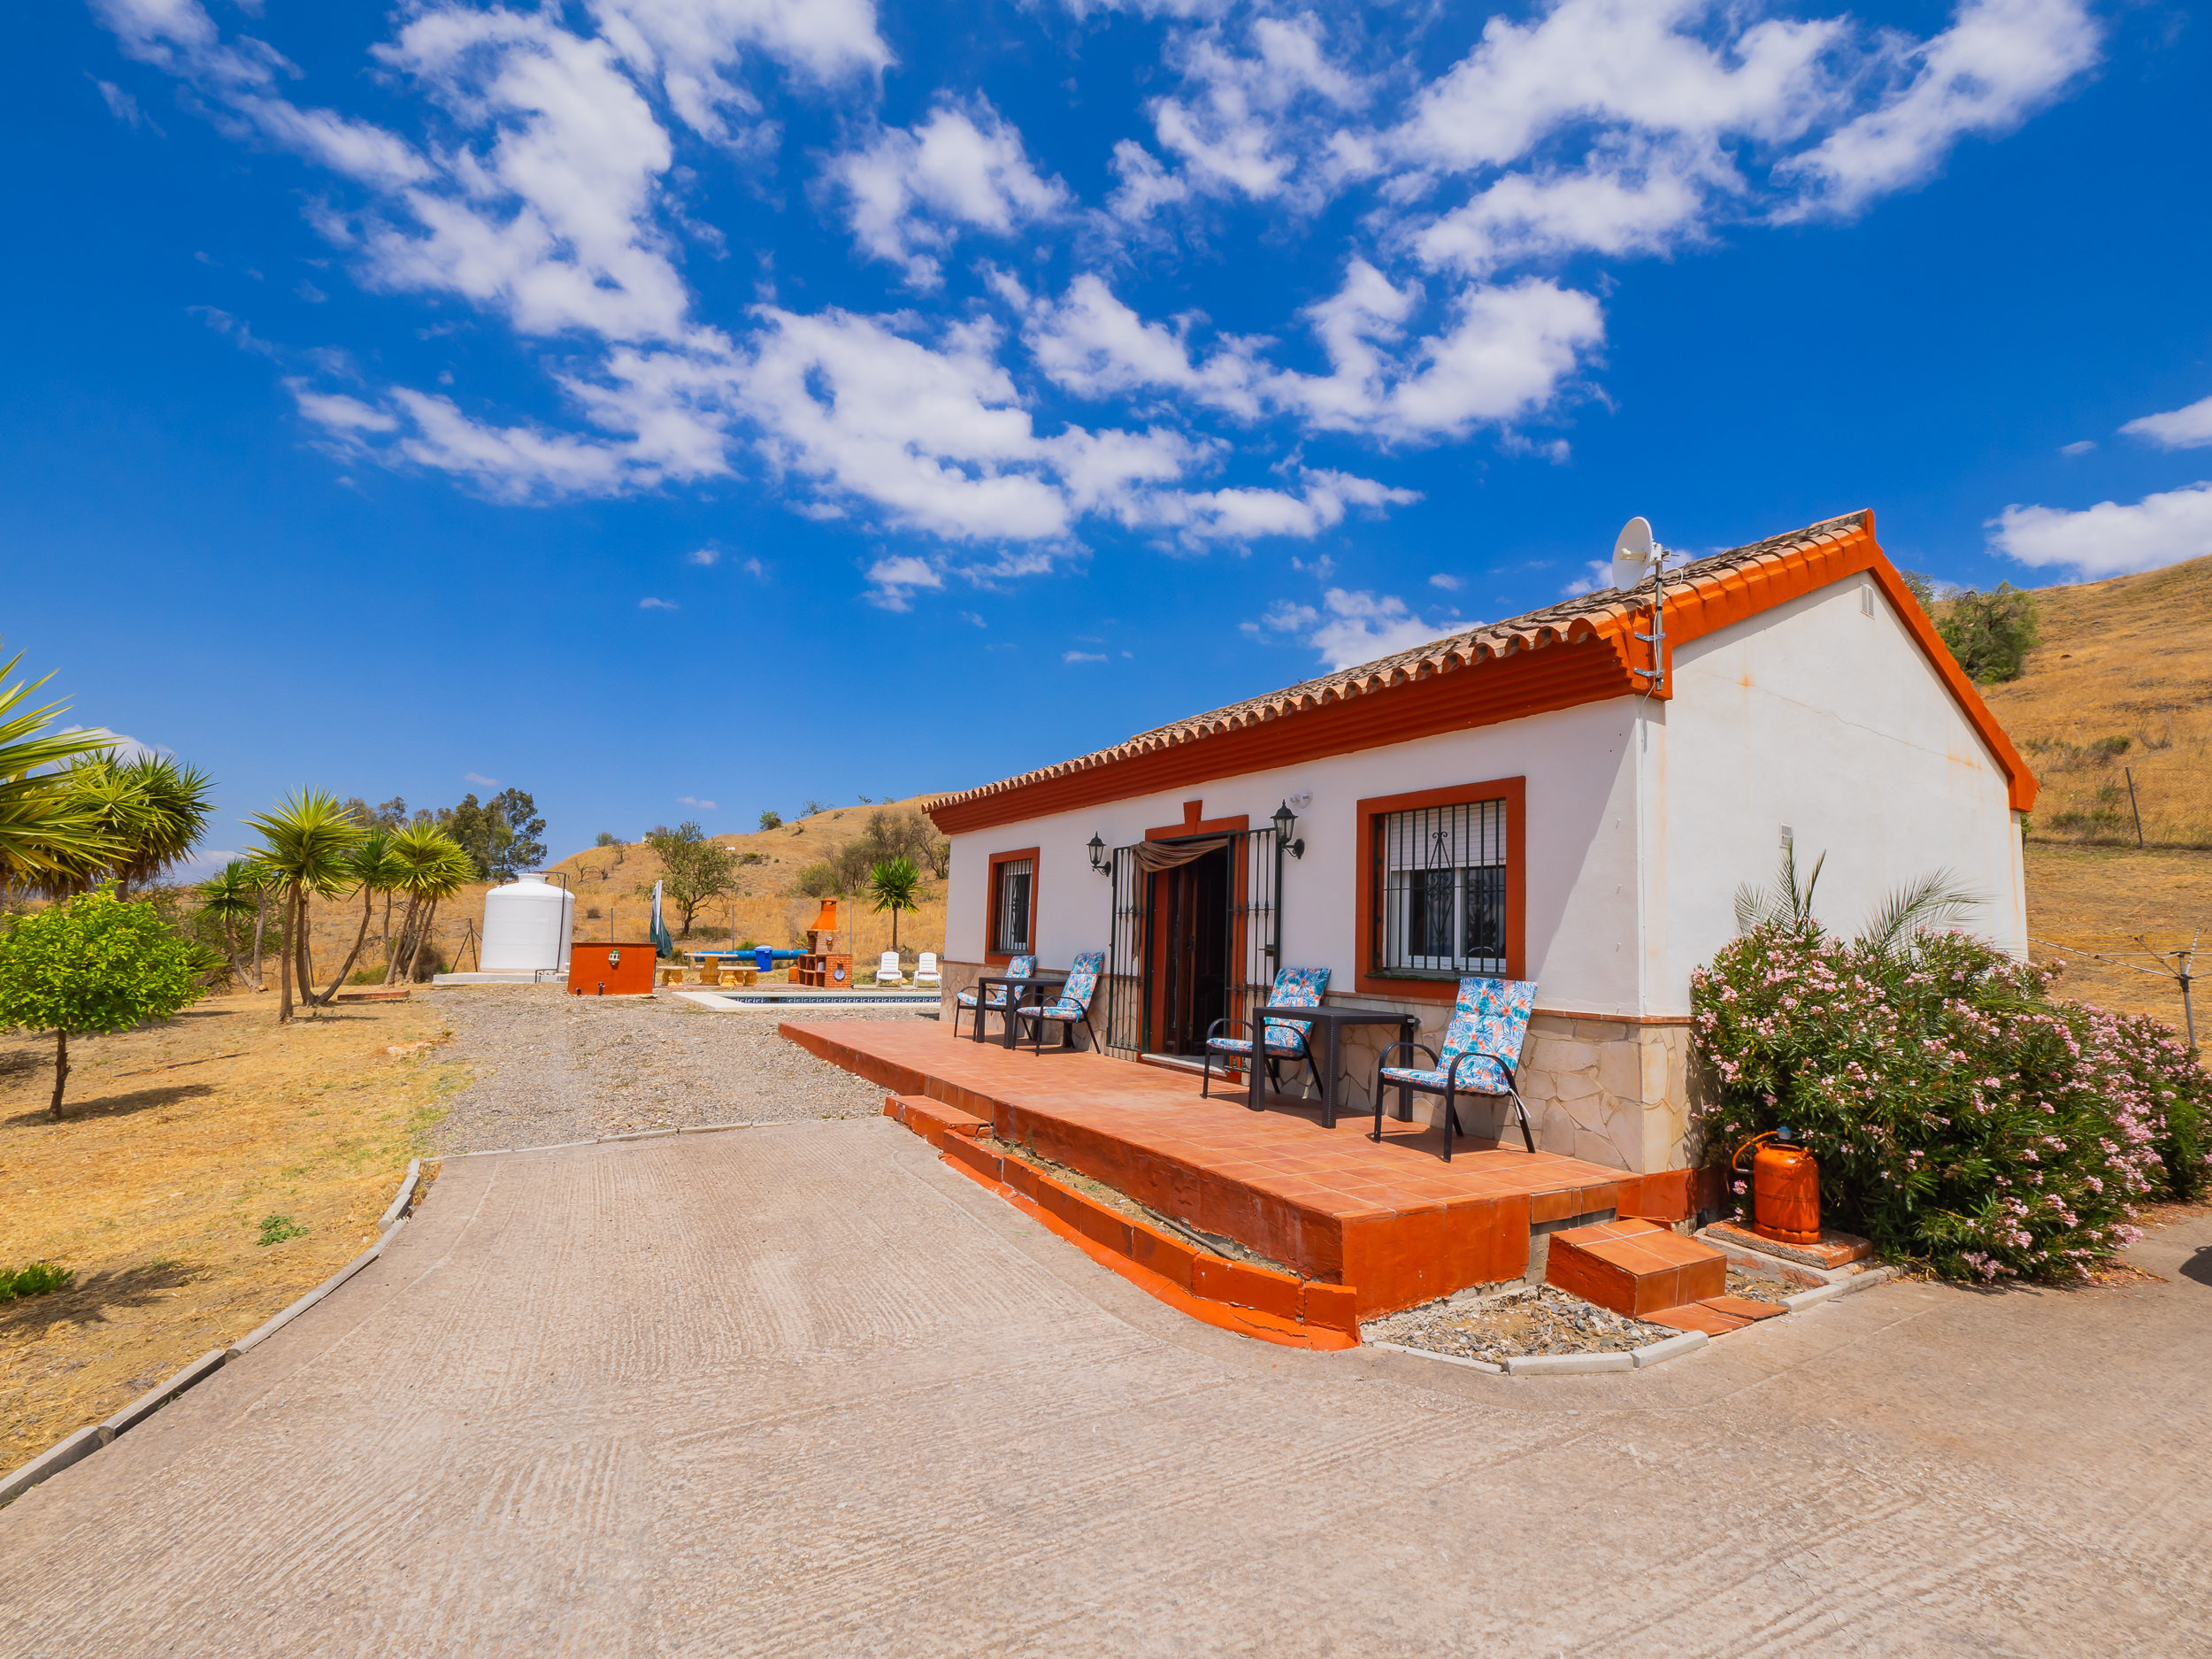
801, 1388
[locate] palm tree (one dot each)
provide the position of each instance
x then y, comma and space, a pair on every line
233, 895
151, 811
430, 866
375, 866
305, 844
895, 885
1891, 934
43, 833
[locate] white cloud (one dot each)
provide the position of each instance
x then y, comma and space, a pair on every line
650, 604
1635, 197
1362, 625
1450, 584
2109, 539
892, 581
2189, 428
1095, 346
696, 47
1082, 657
121, 104
1597, 575
124, 747
704, 806
1998, 62
755, 569
1255, 123
702, 555
911, 191
479, 779
2081, 447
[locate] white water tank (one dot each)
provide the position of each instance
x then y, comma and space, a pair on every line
526, 925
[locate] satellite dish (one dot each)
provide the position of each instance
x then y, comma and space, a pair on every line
1634, 553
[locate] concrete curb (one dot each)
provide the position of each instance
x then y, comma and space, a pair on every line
1448, 1359
1849, 1287
93, 1436
1569, 1365
254, 1339
52, 1462
405, 1198
1565, 1364
161, 1393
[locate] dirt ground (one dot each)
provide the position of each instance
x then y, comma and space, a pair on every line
2106, 900
177, 1142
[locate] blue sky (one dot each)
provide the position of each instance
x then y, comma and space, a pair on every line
676, 408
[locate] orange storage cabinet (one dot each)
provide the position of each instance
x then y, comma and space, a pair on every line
624, 969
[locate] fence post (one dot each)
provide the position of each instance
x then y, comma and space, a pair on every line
2138, 810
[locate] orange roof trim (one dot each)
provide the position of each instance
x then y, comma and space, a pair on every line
1580, 650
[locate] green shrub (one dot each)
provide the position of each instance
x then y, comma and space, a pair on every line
35, 1280
1961, 1118
276, 1229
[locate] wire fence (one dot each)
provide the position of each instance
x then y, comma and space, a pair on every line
2171, 962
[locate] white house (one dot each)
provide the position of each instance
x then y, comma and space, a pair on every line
1527, 799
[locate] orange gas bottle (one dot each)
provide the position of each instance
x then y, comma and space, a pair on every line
1785, 1188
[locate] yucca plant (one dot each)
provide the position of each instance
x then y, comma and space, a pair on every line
376, 868
232, 896
433, 866
306, 842
43, 833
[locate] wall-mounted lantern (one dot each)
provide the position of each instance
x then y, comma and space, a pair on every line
1285, 820
1098, 855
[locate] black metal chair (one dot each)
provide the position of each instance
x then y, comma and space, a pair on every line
1019, 967
1482, 1045
1285, 1039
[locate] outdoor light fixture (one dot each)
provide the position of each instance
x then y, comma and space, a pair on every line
1098, 849
1285, 820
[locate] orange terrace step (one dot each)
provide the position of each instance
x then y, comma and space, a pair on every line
1635, 1267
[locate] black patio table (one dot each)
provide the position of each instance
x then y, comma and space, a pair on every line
1331, 1020
1015, 983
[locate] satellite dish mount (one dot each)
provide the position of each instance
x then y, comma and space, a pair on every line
1635, 556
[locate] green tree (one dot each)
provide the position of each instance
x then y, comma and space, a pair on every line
771, 819
694, 869
500, 835
895, 885
45, 834
95, 964
305, 844
234, 895
1991, 634
889, 835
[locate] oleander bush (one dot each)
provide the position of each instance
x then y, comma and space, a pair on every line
1962, 1118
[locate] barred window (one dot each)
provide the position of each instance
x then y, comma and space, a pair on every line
1011, 907
1440, 875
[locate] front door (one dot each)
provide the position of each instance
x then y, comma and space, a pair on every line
1188, 926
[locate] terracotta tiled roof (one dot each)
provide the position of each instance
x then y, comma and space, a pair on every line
1605, 612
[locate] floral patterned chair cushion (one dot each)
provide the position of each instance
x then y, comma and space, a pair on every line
1020, 968
1490, 1020
1294, 988
1075, 1000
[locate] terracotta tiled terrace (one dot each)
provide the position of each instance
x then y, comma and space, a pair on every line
1393, 1220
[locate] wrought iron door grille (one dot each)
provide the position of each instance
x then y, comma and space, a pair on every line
1253, 925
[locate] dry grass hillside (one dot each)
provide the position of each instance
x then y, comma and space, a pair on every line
2122, 684
608, 882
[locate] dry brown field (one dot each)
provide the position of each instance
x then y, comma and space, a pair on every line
2121, 687
176, 1143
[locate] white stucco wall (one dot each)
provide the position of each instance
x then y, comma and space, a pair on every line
1580, 854
1821, 716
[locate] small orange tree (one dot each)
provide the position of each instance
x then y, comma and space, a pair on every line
96, 963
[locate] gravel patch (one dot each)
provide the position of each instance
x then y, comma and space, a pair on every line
1514, 1324
552, 1068
1757, 1287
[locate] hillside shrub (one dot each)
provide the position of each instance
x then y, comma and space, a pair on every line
1960, 1117
1991, 634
